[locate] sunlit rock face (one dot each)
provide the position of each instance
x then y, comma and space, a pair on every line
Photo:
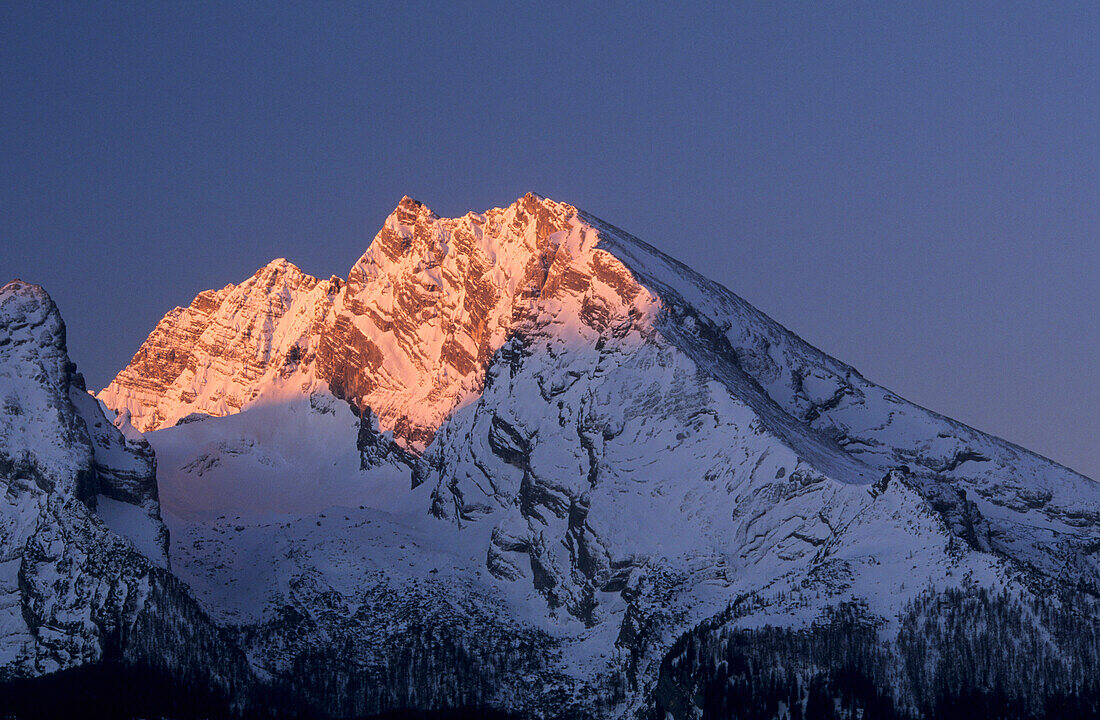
218, 354
430, 302
408, 335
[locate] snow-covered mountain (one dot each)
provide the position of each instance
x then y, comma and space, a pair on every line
522, 460
84, 577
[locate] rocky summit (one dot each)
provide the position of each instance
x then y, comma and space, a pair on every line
521, 461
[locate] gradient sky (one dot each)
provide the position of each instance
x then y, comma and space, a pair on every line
912, 187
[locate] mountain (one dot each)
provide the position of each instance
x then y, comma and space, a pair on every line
84, 579
522, 460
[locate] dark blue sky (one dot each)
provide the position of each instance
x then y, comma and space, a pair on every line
913, 187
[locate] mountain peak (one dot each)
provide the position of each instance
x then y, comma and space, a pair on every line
408, 335
432, 299
409, 211
29, 316
281, 264
533, 202
23, 289
280, 272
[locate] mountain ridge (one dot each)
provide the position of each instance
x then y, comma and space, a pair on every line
410, 208
571, 465
408, 337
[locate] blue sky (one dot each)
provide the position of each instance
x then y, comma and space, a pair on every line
912, 187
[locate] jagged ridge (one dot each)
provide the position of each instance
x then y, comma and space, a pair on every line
407, 336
